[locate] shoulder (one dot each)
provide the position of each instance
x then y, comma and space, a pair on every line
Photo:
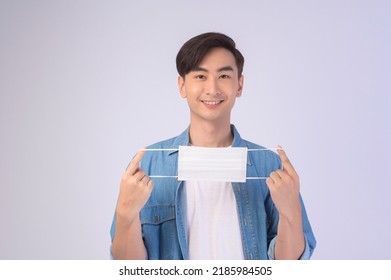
261, 154
164, 144
164, 154
159, 150
252, 145
173, 143
257, 153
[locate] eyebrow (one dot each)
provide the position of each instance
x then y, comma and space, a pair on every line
222, 69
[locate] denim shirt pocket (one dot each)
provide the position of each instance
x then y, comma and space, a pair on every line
159, 231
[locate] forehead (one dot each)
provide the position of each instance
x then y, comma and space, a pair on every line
218, 57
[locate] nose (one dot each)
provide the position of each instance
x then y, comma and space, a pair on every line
211, 87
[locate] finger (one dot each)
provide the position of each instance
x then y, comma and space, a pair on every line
150, 185
281, 173
269, 182
140, 175
135, 163
145, 179
275, 177
286, 164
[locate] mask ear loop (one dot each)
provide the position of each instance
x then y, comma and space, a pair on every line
155, 150
173, 149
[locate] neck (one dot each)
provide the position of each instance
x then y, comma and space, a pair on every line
210, 135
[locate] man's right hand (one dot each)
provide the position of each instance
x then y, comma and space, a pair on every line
135, 190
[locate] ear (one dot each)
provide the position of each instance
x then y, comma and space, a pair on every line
240, 86
181, 86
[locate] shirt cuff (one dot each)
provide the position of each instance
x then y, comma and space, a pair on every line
111, 253
271, 251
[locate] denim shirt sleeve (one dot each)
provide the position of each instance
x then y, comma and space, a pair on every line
306, 255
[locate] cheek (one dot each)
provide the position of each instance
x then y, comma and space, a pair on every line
230, 86
193, 90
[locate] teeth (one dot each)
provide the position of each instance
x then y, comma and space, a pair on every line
211, 102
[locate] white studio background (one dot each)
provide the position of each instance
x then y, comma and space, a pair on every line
84, 84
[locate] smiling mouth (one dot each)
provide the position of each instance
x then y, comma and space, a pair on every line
212, 102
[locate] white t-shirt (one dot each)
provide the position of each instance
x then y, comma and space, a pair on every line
212, 221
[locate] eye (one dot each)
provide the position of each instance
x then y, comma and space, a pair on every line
200, 77
225, 76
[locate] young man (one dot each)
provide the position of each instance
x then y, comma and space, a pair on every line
165, 218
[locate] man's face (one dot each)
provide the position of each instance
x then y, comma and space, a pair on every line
211, 88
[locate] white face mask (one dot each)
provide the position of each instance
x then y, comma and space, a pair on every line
212, 164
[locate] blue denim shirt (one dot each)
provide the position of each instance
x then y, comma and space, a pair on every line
163, 218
